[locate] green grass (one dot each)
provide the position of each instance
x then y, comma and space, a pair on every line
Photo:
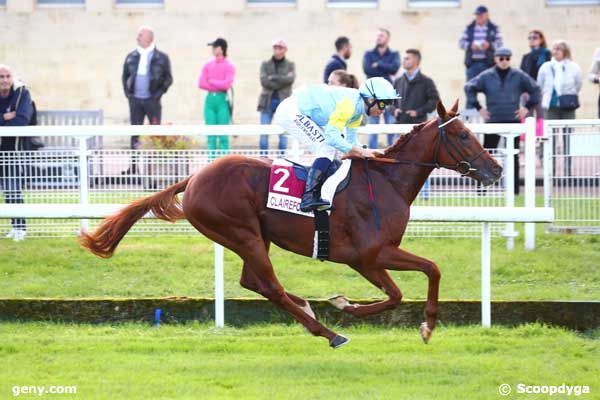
283, 362
562, 268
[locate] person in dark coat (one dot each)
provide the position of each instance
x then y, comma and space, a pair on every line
418, 94
539, 54
146, 78
503, 87
277, 75
343, 51
382, 62
16, 109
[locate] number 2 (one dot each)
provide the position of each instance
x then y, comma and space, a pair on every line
278, 185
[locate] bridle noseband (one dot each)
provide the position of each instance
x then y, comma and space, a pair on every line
463, 164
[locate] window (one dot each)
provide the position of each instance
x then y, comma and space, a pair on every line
271, 2
2, 3
433, 3
573, 2
352, 3
61, 2
140, 3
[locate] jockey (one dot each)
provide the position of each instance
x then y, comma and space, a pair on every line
318, 115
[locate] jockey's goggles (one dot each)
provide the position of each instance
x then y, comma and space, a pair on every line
381, 104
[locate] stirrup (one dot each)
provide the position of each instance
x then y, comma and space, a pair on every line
314, 204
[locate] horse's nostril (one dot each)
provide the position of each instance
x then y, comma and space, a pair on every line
497, 170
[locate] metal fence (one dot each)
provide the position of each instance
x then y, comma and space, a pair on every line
117, 176
572, 174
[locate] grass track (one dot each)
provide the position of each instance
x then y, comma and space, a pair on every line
562, 268
283, 362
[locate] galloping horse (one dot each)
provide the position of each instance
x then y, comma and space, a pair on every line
226, 201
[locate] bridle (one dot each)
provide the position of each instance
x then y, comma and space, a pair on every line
463, 164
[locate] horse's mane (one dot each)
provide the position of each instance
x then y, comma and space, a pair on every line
397, 145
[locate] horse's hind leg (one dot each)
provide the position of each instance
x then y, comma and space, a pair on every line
248, 278
263, 281
250, 282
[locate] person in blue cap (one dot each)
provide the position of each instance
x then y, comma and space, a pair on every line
503, 87
327, 118
479, 41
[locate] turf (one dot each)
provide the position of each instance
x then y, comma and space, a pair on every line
562, 268
283, 362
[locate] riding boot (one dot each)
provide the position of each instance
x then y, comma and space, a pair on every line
311, 200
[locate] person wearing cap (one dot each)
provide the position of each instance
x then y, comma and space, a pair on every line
326, 118
343, 51
503, 87
479, 41
277, 75
216, 78
146, 78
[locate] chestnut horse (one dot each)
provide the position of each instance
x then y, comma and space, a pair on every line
226, 201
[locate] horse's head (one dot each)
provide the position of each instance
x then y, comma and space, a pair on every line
459, 149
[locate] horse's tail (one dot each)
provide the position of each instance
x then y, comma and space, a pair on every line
164, 205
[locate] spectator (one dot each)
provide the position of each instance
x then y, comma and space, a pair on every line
539, 54
595, 73
146, 77
479, 41
217, 77
503, 87
17, 110
418, 94
277, 75
339, 77
560, 81
381, 62
531, 63
559, 77
337, 61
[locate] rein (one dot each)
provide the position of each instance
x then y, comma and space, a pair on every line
463, 165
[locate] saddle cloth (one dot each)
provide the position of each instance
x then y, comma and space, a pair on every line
288, 179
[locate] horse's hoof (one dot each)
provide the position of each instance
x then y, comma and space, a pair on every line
338, 341
339, 301
425, 332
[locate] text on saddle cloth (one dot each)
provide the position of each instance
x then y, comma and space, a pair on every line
286, 188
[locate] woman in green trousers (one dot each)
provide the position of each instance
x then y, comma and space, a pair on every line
217, 78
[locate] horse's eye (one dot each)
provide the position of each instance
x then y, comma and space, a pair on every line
464, 136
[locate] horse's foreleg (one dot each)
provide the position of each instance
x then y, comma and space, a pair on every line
399, 260
382, 280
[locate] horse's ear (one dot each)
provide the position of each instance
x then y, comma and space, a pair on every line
454, 108
441, 111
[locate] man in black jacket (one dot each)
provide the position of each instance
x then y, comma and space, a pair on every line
15, 110
503, 87
418, 94
146, 77
337, 61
